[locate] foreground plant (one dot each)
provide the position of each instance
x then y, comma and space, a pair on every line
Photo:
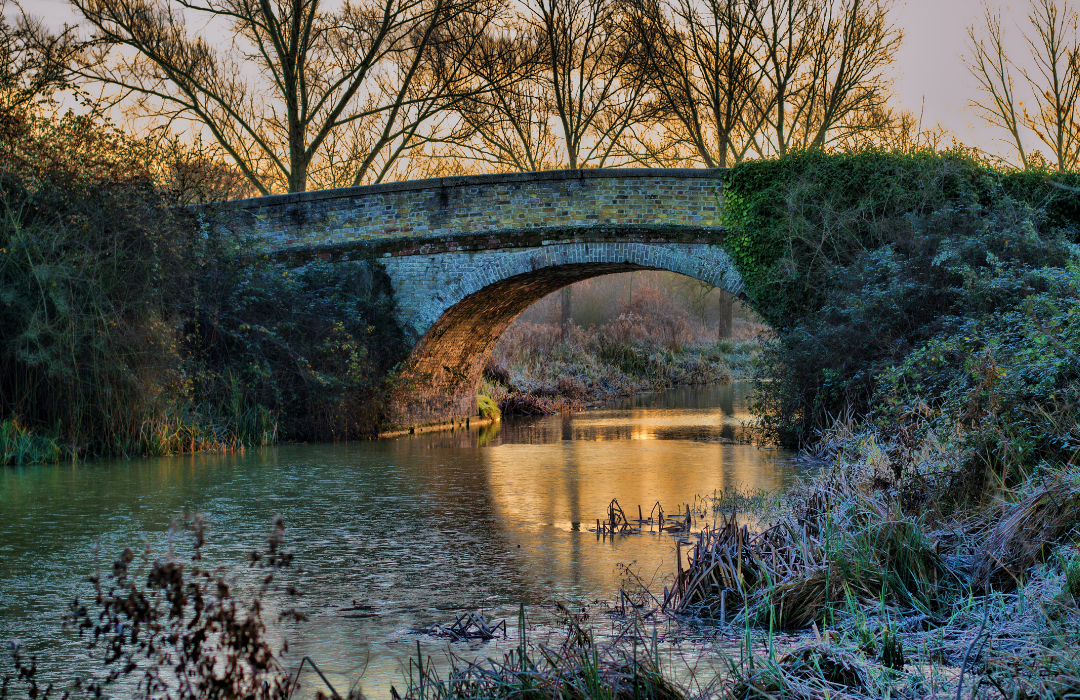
178, 630
579, 669
820, 669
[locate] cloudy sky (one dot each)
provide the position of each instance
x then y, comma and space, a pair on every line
930, 65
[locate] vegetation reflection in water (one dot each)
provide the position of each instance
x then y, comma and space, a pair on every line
392, 535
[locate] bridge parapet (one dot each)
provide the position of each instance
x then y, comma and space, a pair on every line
487, 211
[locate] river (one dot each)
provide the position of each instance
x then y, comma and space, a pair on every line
392, 535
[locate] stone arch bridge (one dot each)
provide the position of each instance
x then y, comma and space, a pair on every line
466, 255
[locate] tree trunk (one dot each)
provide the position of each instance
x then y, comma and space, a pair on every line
565, 301
723, 327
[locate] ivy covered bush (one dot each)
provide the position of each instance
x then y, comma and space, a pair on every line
896, 281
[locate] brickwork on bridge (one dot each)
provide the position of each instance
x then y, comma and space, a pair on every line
459, 304
467, 255
515, 207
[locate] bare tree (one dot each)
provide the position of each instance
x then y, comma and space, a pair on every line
784, 29
301, 92
570, 90
990, 65
33, 61
1056, 53
589, 74
696, 58
513, 128
759, 77
1055, 80
894, 130
825, 67
849, 89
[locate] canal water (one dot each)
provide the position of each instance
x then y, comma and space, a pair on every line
391, 535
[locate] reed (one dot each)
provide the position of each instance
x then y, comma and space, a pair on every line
580, 669
19, 445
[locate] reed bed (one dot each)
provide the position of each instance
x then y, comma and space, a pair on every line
579, 669
19, 445
520, 403
597, 364
833, 547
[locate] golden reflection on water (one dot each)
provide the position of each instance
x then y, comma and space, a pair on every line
416, 529
545, 481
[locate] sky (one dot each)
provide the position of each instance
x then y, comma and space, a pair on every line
929, 65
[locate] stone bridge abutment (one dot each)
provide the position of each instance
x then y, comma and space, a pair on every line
466, 255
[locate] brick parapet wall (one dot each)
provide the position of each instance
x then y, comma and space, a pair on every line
489, 211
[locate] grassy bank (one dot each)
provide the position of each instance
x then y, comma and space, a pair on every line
650, 344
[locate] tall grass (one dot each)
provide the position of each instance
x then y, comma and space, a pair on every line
19, 445
653, 344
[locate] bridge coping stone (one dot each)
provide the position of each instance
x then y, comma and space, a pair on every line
466, 180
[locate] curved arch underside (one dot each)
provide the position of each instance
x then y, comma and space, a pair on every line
447, 364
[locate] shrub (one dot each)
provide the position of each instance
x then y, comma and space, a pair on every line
872, 268
312, 345
180, 630
794, 222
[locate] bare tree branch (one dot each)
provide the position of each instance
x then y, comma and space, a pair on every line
990, 65
303, 78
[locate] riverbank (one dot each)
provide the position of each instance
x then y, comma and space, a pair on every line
857, 584
538, 369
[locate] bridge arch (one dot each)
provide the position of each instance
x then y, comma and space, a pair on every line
466, 255
458, 326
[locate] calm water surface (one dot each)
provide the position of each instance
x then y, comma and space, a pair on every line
392, 535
